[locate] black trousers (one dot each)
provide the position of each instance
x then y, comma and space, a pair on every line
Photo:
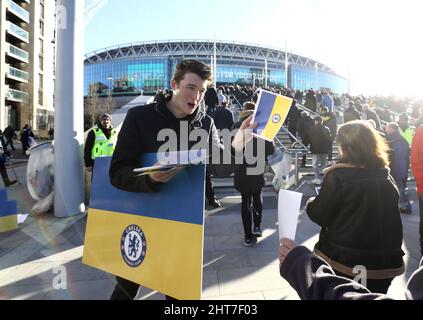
25, 146
10, 141
209, 187
251, 210
3, 172
127, 290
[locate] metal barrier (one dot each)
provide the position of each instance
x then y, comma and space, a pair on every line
297, 147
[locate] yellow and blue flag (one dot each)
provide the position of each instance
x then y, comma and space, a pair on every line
270, 114
154, 239
8, 213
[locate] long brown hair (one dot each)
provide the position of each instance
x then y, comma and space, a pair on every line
362, 146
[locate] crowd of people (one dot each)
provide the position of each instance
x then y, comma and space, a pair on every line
6, 140
362, 194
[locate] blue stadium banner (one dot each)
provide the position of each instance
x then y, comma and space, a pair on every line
270, 114
154, 239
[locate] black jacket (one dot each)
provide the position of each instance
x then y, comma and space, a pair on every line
329, 120
310, 101
351, 114
303, 129
25, 134
223, 118
139, 135
9, 133
320, 139
371, 115
293, 117
244, 181
361, 225
211, 99
314, 279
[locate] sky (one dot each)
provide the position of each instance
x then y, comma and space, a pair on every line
375, 43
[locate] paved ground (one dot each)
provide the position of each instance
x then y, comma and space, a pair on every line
45, 246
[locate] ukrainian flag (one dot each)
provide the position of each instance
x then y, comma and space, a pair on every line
8, 213
271, 112
154, 239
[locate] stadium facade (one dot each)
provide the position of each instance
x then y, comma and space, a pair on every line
148, 66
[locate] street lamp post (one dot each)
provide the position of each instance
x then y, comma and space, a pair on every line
315, 77
265, 74
286, 64
110, 78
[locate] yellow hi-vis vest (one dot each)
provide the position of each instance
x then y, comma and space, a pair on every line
408, 134
103, 147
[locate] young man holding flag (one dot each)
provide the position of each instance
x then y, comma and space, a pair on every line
142, 127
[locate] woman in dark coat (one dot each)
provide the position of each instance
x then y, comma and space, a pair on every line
358, 211
249, 180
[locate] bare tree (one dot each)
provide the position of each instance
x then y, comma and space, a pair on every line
91, 105
110, 105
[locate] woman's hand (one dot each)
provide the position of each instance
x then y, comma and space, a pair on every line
244, 134
164, 176
310, 201
285, 248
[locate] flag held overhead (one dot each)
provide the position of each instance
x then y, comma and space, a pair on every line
270, 114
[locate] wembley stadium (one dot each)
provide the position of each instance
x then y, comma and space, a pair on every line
148, 66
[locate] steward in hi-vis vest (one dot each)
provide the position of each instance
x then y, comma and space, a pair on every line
103, 146
406, 130
101, 141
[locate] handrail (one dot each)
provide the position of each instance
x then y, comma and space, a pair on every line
295, 151
301, 107
236, 100
297, 141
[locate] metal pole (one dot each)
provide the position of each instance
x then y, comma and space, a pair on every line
110, 78
315, 79
69, 126
265, 74
286, 64
297, 175
215, 62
